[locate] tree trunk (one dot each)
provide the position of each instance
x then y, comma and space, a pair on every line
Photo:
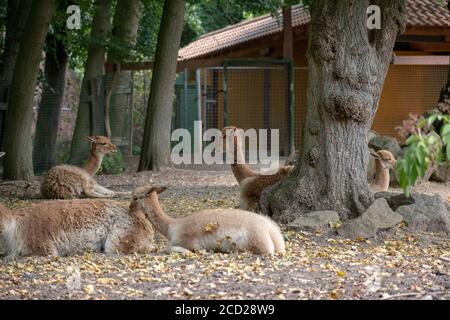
155, 153
44, 150
126, 23
101, 27
347, 67
17, 15
18, 146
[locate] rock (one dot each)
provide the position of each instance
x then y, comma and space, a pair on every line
427, 213
379, 216
441, 173
386, 143
372, 134
315, 221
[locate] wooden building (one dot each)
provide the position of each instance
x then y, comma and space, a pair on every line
255, 92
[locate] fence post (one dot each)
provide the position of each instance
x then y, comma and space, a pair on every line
225, 93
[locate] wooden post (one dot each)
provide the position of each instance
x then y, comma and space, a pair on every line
288, 54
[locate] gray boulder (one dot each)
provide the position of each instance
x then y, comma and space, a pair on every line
386, 143
379, 216
427, 213
315, 221
372, 134
441, 173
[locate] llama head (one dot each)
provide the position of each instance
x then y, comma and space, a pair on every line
142, 193
385, 158
234, 135
101, 145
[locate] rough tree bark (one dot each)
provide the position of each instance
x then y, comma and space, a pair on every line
56, 62
155, 153
101, 27
17, 14
124, 33
347, 67
18, 145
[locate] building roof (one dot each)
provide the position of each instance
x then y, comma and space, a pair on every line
419, 13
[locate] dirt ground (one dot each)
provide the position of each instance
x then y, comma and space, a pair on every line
396, 265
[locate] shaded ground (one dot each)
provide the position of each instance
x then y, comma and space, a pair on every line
397, 265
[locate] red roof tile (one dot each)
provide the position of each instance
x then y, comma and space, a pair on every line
419, 13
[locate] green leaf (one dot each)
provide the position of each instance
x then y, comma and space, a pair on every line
431, 119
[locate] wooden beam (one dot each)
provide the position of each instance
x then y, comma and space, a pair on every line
431, 46
421, 60
433, 31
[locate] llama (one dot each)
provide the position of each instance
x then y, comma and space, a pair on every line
64, 227
68, 182
219, 230
252, 184
384, 160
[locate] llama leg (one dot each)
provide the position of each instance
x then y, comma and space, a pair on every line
92, 194
277, 240
177, 249
262, 243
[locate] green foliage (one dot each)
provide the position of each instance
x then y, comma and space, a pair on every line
422, 151
113, 164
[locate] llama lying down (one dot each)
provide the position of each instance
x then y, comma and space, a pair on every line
220, 230
69, 182
64, 227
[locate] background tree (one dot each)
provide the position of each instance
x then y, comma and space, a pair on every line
17, 145
56, 62
347, 65
155, 152
16, 17
54, 82
123, 40
94, 67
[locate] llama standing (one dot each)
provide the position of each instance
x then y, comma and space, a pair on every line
64, 227
251, 183
68, 182
221, 230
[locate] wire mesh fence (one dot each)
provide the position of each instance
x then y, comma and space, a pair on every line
254, 97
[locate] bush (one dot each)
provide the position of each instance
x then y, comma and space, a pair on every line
113, 164
423, 150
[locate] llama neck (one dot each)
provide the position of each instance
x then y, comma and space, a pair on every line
93, 163
5, 216
381, 181
160, 220
240, 169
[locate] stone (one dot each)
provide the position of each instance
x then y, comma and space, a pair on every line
379, 216
386, 143
427, 213
315, 221
372, 134
441, 173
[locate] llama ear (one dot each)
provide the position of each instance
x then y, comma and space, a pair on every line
2, 154
374, 154
90, 139
158, 190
